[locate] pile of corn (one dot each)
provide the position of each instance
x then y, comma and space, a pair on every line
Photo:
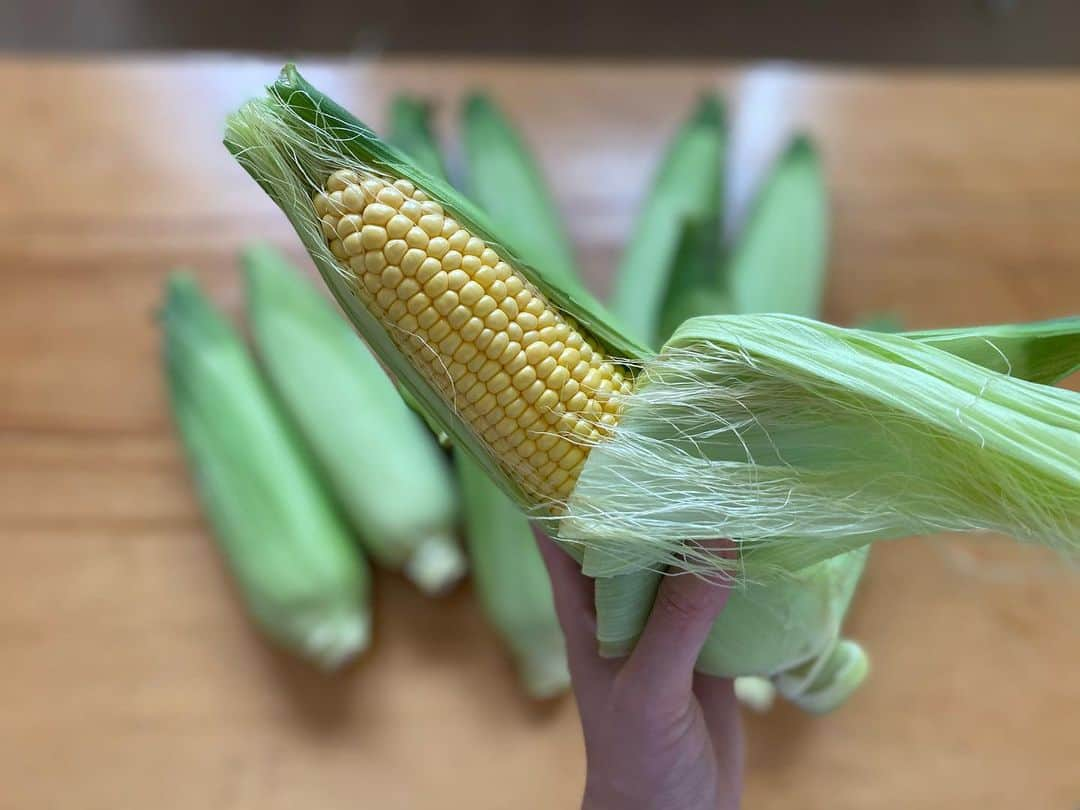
553, 405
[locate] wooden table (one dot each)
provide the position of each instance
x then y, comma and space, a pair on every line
128, 675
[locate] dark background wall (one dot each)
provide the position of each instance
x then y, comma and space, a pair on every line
949, 32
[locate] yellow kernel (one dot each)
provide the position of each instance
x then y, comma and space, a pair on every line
489, 257
524, 378
419, 303
395, 250
475, 393
506, 395
456, 371
390, 196
356, 264
486, 404
340, 179
592, 379
515, 332
428, 269
510, 307
431, 224
497, 320
350, 223
536, 352
378, 214
465, 352
459, 316
391, 277
500, 381
526, 320
558, 450
546, 441
503, 271
528, 417
470, 264
487, 370
433, 208
458, 239
322, 203
484, 307
446, 302
477, 363
475, 246
456, 278
484, 276
472, 329
449, 344
523, 297
569, 358
470, 293
396, 310
412, 260
407, 289
529, 338
384, 298
483, 340
372, 186
515, 409
533, 392
374, 262
372, 283
449, 228
546, 318
568, 388
538, 459
527, 446
549, 334
436, 285
405, 187
497, 290
398, 226
514, 285
411, 209
577, 402
439, 330
547, 400
546, 470
353, 198
451, 260
558, 376
438, 247
586, 351
416, 238
329, 226
579, 371
353, 245
536, 307
338, 250
516, 363
498, 345
506, 427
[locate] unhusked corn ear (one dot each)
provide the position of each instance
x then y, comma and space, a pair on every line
562, 385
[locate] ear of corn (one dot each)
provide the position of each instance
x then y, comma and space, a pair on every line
505, 181
800, 440
379, 460
300, 145
686, 190
303, 581
509, 575
778, 263
512, 583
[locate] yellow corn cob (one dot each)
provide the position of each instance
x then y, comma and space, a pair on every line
525, 378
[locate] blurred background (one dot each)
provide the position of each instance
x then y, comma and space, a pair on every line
130, 676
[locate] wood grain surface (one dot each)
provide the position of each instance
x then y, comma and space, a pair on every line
129, 677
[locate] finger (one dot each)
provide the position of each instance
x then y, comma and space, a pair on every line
721, 711
684, 611
573, 595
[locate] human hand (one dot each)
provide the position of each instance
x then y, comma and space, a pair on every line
657, 734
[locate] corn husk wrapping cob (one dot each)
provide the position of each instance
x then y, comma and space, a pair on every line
510, 578
304, 582
797, 439
377, 458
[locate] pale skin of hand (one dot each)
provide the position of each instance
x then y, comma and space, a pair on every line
658, 736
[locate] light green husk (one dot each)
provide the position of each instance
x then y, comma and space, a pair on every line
799, 440
685, 191
378, 458
512, 582
302, 579
509, 575
410, 131
504, 180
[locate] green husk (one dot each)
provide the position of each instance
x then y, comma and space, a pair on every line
410, 131
290, 141
685, 190
378, 459
509, 575
512, 582
303, 581
804, 440
504, 180
778, 263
